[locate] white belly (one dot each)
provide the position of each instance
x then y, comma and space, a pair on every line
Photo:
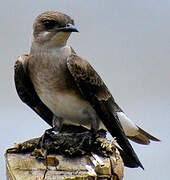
70, 107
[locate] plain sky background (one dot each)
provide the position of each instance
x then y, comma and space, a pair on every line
127, 42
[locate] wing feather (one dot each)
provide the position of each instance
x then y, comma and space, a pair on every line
95, 91
26, 91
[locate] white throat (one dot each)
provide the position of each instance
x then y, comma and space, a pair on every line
41, 50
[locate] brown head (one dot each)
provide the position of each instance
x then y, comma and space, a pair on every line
52, 29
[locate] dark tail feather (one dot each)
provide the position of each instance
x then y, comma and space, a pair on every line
149, 136
143, 137
140, 139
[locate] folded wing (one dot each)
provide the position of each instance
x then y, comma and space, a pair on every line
95, 91
26, 91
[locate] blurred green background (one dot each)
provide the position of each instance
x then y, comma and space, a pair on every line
127, 42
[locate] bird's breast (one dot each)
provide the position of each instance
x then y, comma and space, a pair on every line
56, 89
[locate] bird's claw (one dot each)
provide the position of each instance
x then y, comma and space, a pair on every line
45, 136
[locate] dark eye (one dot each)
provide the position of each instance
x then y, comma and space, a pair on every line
49, 24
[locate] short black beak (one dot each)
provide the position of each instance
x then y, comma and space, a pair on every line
69, 28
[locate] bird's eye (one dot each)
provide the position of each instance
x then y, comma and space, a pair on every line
49, 24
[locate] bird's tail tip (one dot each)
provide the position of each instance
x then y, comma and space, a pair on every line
143, 137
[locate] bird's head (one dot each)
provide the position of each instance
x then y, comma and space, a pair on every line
52, 29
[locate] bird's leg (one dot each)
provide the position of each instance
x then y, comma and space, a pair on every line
57, 123
95, 125
90, 136
95, 121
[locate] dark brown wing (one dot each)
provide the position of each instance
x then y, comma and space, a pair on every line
26, 92
95, 91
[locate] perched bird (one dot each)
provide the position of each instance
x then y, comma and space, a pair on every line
61, 87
